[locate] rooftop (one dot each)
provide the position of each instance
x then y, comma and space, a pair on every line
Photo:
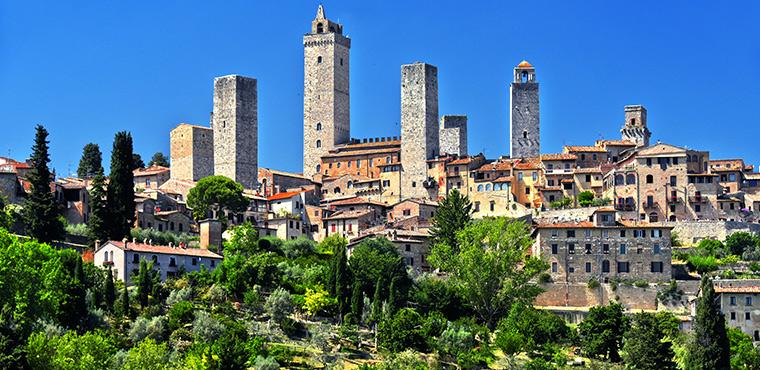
163, 249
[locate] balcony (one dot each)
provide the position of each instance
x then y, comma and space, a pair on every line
649, 205
697, 199
624, 207
673, 199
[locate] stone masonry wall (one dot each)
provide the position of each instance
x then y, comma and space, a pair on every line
236, 129
524, 120
693, 231
191, 152
419, 127
453, 135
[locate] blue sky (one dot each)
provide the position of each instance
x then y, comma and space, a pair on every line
88, 69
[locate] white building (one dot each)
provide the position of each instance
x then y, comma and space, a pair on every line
124, 257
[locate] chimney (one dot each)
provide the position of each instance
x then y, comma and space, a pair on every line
125, 241
97, 244
211, 233
134, 240
145, 240
150, 241
171, 245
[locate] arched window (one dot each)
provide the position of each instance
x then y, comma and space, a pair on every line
480, 187
650, 179
525, 134
653, 217
633, 121
319, 59
320, 28
336, 190
496, 187
319, 126
488, 187
319, 168
619, 180
319, 143
630, 179
350, 184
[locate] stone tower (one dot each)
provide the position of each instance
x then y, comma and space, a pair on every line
326, 121
419, 128
453, 135
235, 123
635, 127
191, 152
523, 115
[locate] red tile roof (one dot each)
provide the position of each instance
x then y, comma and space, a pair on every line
558, 157
285, 195
356, 200
164, 249
152, 170
584, 149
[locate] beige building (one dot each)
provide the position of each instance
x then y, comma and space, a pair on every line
740, 303
151, 177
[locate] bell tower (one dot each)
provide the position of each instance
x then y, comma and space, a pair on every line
635, 127
523, 114
326, 103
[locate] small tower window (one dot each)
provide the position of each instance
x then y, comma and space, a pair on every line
319, 126
633, 121
320, 28
319, 143
319, 59
319, 168
525, 134
341, 61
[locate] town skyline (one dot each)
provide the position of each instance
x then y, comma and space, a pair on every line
375, 106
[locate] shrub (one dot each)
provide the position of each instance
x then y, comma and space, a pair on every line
144, 327
206, 328
544, 278
179, 315
592, 284
265, 363
279, 305
78, 230
179, 295
317, 301
298, 247
641, 283
701, 264
402, 331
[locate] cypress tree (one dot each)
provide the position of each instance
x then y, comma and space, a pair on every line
357, 303
98, 223
342, 282
121, 195
393, 298
709, 347
91, 162
377, 301
125, 310
144, 283
110, 290
40, 208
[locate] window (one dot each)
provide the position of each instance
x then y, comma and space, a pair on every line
623, 249
630, 179
733, 316
194, 261
571, 269
555, 233
554, 267
555, 249
535, 176
480, 187
656, 266
519, 177
135, 258
622, 267
407, 247
697, 208
587, 233
656, 248
650, 179
605, 266
414, 184
673, 181
571, 233
477, 206
488, 187
747, 316
172, 262
213, 263
588, 267
319, 126
732, 301
588, 248
748, 301
319, 145
605, 248
622, 233
493, 206
319, 59
571, 248
147, 183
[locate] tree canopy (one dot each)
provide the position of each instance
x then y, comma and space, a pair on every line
120, 196
91, 162
602, 332
709, 348
158, 159
453, 215
41, 214
211, 195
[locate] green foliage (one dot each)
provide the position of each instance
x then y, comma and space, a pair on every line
600, 202
298, 247
179, 315
144, 327
377, 259
147, 355
279, 305
144, 282
466, 343
592, 283
711, 248
702, 264
342, 281
206, 327
433, 294
357, 304
453, 214
529, 330
77, 229
137, 161
41, 216
91, 162
562, 203
601, 333
675, 241
648, 345
98, 223
317, 301
211, 195
493, 269
402, 331
741, 241
158, 159
585, 198
744, 355
110, 290
120, 191
91, 350
709, 347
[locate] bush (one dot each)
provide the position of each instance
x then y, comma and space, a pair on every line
279, 305
317, 301
265, 363
298, 247
702, 265
585, 198
402, 331
544, 278
144, 327
179, 295
161, 237
641, 283
592, 284
206, 328
179, 315
78, 229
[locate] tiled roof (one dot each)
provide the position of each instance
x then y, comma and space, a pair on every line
584, 149
588, 170
558, 157
503, 179
152, 170
524, 64
616, 142
531, 163
370, 145
351, 153
164, 249
356, 200
661, 150
500, 165
548, 224
285, 195
465, 160
342, 215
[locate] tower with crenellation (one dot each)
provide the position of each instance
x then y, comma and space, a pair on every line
326, 103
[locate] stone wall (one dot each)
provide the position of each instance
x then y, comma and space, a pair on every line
453, 135
581, 296
9, 187
693, 231
524, 119
419, 127
236, 129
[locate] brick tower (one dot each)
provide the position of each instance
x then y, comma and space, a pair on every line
523, 113
635, 127
235, 123
419, 128
326, 121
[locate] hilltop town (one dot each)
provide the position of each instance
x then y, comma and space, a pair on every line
625, 221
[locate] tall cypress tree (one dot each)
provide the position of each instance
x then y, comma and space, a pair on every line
110, 290
342, 282
121, 194
144, 283
393, 296
377, 301
709, 347
125, 308
453, 214
91, 162
98, 222
40, 208
357, 303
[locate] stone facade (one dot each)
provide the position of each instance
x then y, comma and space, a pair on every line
419, 128
740, 303
326, 98
235, 124
635, 127
524, 113
192, 152
453, 135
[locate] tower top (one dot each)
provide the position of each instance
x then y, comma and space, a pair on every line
525, 73
321, 24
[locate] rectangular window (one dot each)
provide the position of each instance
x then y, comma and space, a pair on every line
747, 316
588, 267
732, 301
622, 233
571, 269
748, 301
588, 248
623, 249
605, 248
555, 233
656, 266
605, 233
605, 266
733, 316
555, 249
571, 248
622, 267
571, 233
656, 248
554, 266
477, 207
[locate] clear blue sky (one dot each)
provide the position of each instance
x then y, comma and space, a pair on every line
86, 71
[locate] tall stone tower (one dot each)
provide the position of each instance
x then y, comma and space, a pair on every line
635, 127
419, 128
235, 123
191, 149
523, 115
453, 135
326, 121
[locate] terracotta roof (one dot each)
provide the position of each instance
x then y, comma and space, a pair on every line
524, 64
465, 160
567, 180
547, 224
164, 249
285, 195
744, 286
588, 170
351, 153
752, 176
662, 149
531, 163
552, 188
342, 215
418, 201
559, 157
616, 142
496, 166
356, 200
286, 174
584, 149
604, 209
503, 179
152, 170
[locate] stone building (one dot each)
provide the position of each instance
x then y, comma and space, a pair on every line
635, 128
419, 128
191, 152
453, 135
413, 246
524, 113
604, 248
273, 181
458, 173
740, 303
422, 209
73, 195
235, 123
730, 173
151, 177
326, 98
361, 158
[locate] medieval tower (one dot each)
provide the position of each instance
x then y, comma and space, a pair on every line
635, 127
453, 135
419, 128
523, 113
235, 124
326, 121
